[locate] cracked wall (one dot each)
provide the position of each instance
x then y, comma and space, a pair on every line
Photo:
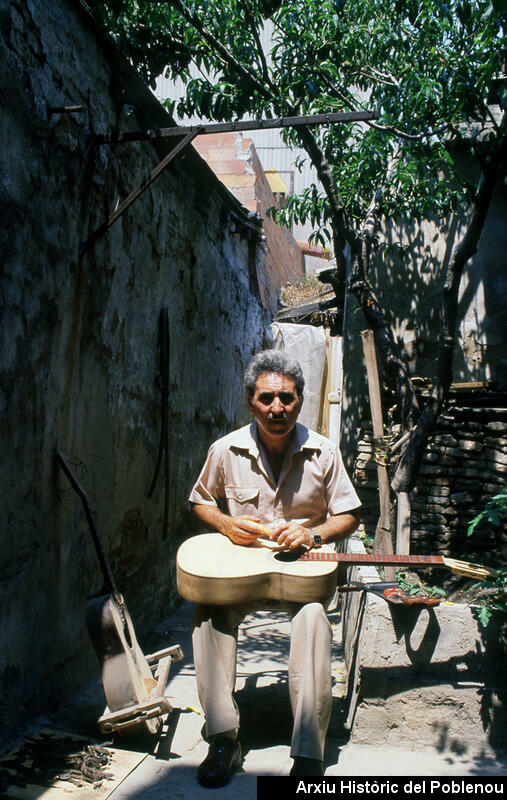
79, 362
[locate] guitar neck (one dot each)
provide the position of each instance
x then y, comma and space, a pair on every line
468, 570
377, 559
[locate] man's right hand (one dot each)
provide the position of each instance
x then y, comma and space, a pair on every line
243, 530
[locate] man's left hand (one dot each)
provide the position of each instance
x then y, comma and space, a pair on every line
291, 535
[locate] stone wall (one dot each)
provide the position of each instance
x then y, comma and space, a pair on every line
465, 464
79, 361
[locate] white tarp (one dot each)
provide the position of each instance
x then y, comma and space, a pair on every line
307, 343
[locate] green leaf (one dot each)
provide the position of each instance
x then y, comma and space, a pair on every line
485, 615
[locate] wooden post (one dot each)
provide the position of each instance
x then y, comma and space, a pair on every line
383, 542
403, 524
323, 425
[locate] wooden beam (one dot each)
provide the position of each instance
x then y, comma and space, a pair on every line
241, 125
383, 542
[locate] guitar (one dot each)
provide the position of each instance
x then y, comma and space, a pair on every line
211, 569
127, 677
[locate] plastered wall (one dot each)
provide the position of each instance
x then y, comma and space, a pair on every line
79, 358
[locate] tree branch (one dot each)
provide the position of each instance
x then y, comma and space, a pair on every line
373, 312
219, 48
342, 231
260, 51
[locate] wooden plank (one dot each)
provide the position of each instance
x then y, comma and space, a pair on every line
240, 125
174, 651
373, 383
403, 524
323, 424
469, 386
383, 541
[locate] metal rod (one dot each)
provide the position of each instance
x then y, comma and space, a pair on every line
137, 192
65, 109
241, 125
109, 581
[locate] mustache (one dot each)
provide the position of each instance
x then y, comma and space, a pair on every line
282, 416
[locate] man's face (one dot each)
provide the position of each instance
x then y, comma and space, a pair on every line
275, 404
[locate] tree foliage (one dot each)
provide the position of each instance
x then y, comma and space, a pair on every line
432, 70
428, 68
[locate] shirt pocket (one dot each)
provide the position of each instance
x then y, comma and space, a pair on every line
242, 500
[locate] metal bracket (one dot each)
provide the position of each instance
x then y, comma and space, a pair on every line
102, 229
238, 126
398, 597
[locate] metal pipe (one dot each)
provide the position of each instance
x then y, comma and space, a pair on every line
241, 125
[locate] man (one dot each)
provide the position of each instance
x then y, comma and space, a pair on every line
276, 472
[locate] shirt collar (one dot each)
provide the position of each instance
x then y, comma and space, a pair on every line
247, 438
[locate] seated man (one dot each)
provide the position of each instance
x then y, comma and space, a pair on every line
276, 472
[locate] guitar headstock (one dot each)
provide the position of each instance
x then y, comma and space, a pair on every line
470, 570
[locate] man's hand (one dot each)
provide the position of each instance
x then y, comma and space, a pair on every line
291, 535
242, 530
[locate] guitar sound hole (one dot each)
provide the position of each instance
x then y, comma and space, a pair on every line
290, 555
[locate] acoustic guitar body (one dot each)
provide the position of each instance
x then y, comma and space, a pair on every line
210, 569
126, 675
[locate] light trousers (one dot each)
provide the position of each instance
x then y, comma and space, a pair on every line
215, 636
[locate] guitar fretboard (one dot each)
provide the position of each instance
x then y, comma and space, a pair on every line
380, 559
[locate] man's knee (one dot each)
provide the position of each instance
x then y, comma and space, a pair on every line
312, 617
312, 611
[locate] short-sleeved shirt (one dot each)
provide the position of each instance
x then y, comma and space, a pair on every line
312, 484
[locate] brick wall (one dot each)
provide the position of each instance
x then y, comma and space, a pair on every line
464, 465
234, 159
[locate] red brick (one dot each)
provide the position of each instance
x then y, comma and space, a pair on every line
234, 165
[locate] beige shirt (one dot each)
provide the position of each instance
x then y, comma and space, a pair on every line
312, 485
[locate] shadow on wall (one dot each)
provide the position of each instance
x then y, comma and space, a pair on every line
408, 275
427, 687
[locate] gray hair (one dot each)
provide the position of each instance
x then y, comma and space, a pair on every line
273, 361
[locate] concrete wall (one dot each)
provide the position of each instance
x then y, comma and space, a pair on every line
79, 358
422, 677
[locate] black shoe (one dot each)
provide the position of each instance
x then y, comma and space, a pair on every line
224, 756
307, 766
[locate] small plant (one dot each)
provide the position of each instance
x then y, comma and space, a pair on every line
418, 588
494, 510
495, 601
368, 541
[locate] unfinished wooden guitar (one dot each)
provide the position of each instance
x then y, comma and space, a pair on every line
211, 569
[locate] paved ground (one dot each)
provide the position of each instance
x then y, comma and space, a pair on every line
262, 694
